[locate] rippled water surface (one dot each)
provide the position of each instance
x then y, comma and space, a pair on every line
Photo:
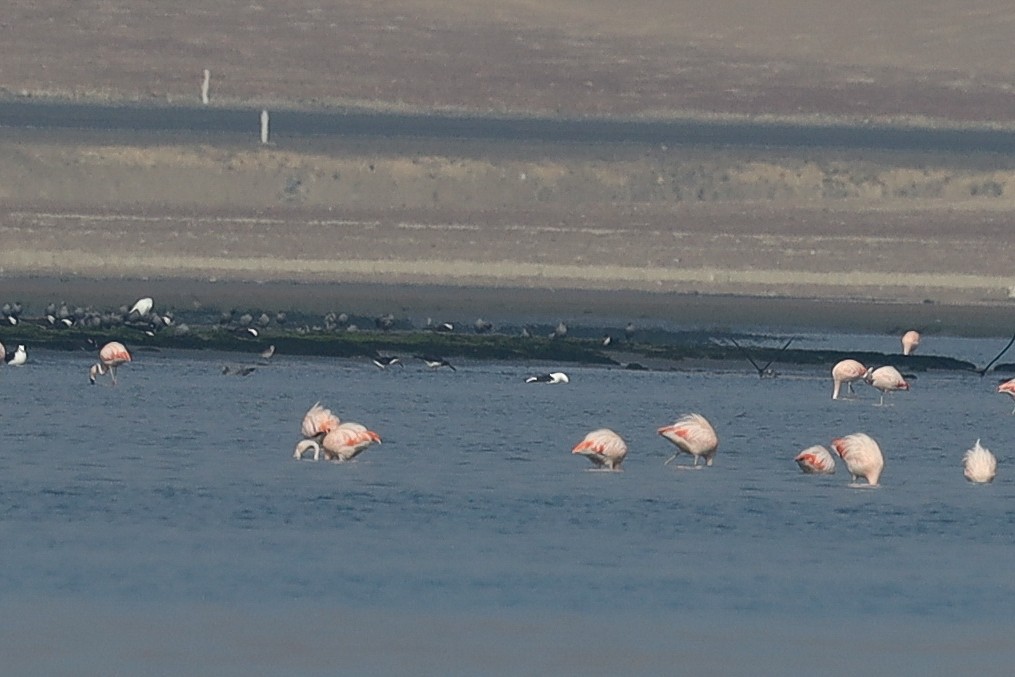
162, 526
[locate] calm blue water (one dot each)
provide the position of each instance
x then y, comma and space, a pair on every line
163, 527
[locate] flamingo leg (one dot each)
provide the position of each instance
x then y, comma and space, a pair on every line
112, 372
674, 455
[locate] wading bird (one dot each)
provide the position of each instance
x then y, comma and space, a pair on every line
910, 340
605, 448
112, 355
886, 379
694, 435
1008, 388
342, 443
979, 464
816, 460
845, 372
862, 456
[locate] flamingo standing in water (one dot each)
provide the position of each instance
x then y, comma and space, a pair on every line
323, 433
347, 441
112, 355
1006, 387
816, 460
910, 340
885, 379
693, 435
846, 372
317, 423
603, 447
979, 465
862, 456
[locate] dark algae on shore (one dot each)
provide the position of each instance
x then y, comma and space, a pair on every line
675, 348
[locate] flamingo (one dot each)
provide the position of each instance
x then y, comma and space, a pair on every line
693, 435
318, 422
347, 441
3, 354
603, 447
112, 355
1006, 387
885, 379
846, 372
862, 456
553, 377
979, 465
910, 340
816, 460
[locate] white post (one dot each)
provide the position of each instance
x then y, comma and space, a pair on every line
264, 126
205, 85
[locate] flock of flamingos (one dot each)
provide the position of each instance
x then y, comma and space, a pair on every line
325, 435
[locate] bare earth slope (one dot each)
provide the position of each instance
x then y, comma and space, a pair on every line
823, 224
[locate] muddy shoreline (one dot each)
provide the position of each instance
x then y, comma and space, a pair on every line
516, 306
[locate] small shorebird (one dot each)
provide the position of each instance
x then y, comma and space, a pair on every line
553, 377
605, 448
435, 362
17, 358
385, 361
765, 371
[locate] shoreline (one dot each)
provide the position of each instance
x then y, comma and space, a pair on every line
516, 305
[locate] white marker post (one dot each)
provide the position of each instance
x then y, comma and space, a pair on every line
205, 86
264, 126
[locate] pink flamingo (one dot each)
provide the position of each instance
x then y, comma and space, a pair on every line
846, 372
603, 447
112, 355
317, 423
323, 433
816, 460
348, 441
910, 340
979, 464
885, 379
862, 456
1008, 388
693, 435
